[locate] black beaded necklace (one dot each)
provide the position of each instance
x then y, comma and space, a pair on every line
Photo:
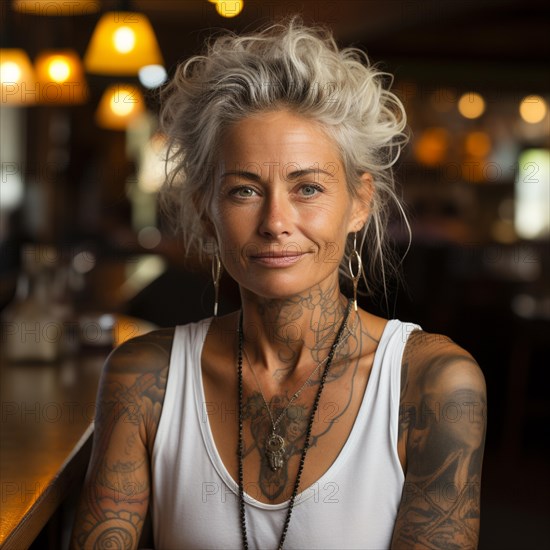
240, 446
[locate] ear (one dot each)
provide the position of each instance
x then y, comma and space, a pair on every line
208, 226
361, 204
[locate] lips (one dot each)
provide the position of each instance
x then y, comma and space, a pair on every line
282, 259
275, 255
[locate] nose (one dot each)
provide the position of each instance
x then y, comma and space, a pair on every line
276, 217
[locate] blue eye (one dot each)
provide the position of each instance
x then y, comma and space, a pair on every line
243, 192
310, 190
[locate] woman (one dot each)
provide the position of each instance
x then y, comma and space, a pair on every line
301, 420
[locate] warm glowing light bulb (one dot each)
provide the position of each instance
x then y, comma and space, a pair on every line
124, 39
471, 105
58, 69
478, 144
431, 146
533, 109
9, 72
122, 103
229, 8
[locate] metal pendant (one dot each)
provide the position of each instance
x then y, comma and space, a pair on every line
274, 451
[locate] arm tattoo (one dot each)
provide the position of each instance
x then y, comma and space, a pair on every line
445, 434
115, 499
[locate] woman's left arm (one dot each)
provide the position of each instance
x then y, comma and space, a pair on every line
442, 428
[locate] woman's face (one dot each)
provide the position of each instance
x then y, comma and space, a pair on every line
282, 209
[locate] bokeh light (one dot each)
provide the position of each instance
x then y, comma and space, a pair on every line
431, 146
471, 105
124, 39
533, 109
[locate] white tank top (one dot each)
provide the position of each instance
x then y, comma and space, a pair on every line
353, 505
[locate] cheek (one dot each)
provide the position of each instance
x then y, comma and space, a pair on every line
327, 215
329, 233
232, 234
228, 225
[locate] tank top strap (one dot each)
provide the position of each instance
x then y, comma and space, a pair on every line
391, 358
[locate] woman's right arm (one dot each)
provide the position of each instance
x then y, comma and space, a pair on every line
115, 495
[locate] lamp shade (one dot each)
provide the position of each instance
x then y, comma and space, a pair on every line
229, 8
56, 7
119, 105
17, 77
60, 77
121, 44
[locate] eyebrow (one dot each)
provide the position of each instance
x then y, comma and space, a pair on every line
242, 174
294, 175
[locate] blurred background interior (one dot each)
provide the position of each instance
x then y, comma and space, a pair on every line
82, 245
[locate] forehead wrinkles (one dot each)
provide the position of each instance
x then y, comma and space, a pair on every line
276, 137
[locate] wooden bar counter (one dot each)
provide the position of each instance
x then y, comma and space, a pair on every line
46, 428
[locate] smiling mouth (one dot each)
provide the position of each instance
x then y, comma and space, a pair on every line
277, 259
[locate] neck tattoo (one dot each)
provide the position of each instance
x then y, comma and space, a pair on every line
274, 445
274, 448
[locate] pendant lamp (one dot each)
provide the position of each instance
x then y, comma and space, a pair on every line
228, 8
56, 7
17, 80
119, 105
122, 43
61, 78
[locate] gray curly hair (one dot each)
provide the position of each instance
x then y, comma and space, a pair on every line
289, 66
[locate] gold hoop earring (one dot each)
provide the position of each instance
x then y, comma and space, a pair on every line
216, 276
354, 255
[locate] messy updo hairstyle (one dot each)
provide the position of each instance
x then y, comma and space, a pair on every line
289, 66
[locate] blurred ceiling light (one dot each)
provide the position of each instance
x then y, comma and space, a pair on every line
59, 70
471, 105
119, 105
152, 76
61, 78
229, 8
56, 7
17, 77
533, 109
477, 144
122, 43
124, 39
431, 147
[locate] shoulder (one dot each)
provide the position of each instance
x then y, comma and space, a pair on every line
434, 359
439, 381
134, 380
149, 352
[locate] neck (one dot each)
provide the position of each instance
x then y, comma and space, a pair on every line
282, 335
